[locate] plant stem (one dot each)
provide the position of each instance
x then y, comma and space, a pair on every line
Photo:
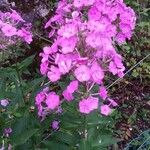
85, 128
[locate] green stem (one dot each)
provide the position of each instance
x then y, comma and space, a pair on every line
85, 128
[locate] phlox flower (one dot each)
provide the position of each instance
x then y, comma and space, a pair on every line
68, 30
103, 92
83, 49
71, 88
105, 110
54, 74
78, 3
55, 125
82, 73
40, 97
44, 68
88, 105
52, 100
67, 95
68, 44
14, 15
4, 102
94, 14
9, 30
97, 73
26, 35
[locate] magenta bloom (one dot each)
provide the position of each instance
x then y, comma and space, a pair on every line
68, 30
52, 100
105, 110
55, 125
7, 132
78, 3
14, 15
88, 105
82, 73
97, 73
68, 96
4, 102
73, 86
54, 74
68, 44
44, 67
103, 92
84, 34
94, 14
9, 30
112, 102
26, 35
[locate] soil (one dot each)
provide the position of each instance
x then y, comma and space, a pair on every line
134, 105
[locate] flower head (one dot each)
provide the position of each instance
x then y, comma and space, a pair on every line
88, 105
105, 110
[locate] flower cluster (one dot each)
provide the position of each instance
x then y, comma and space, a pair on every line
84, 34
13, 28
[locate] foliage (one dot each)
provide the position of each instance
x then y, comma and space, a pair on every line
139, 46
20, 82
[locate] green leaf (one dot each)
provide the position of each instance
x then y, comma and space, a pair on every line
65, 137
96, 119
23, 137
52, 145
25, 63
85, 145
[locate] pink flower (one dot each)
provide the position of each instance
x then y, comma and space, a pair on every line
68, 30
88, 105
53, 19
47, 50
52, 100
68, 44
7, 132
55, 125
78, 3
75, 14
73, 86
94, 14
82, 73
97, 73
96, 26
14, 15
44, 67
4, 102
116, 68
88, 2
9, 30
40, 97
26, 35
54, 74
105, 110
68, 96
64, 64
112, 102
51, 49
113, 68
94, 40
103, 92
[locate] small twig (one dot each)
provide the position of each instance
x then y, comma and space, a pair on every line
43, 38
91, 87
45, 138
